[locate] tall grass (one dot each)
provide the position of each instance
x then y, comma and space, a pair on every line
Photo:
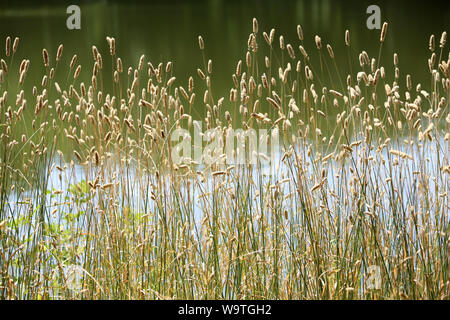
87, 179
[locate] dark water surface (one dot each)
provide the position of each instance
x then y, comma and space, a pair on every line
168, 30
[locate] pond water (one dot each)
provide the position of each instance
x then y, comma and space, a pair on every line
168, 30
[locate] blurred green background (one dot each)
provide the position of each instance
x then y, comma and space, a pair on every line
168, 31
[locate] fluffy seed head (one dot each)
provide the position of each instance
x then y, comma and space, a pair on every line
255, 25
266, 37
15, 44
201, 44
8, 46
290, 51
72, 62
318, 42
383, 32
330, 51
281, 42
443, 39
45, 57
347, 38
59, 52
77, 72
271, 35
431, 44
112, 46
300, 32
119, 65
303, 51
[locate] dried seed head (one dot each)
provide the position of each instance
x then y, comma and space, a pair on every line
8, 46
300, 32
94, 52
255, 25
57, 87
233, 95
184, 93
77, 155
95, 69
192, 99
308, 73
408, 82
318, 42
330, 51
112, 45
273, 103
303, 51
209, 66
239, 68
45, 57
22, 76
266, 37
264, 80
191, 84
281, 42
59, 52
15, 44
443, 39
77, 72
100, 61
431, 44
290, 51
4, 67
347, 38
272, 35
72, 62
248, 59
336, 94
96, 158
119, 65
201, 74
383, 32
141, 63
201, 44
299, 66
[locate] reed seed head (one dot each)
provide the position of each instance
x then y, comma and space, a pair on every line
45, 57
201, 44
300, 32
431, 43
318, 42
59, 52
330, 51
8, 46
383, 32
77, 72
255, 25
72, 62
443, 39
15, 44
282, 43
119, 65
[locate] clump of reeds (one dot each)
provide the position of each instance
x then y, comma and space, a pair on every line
88, 180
